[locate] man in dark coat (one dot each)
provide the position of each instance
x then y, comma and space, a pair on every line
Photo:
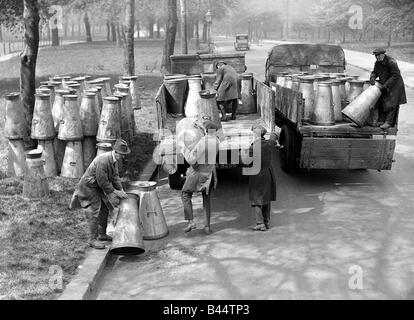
393, 88
99, 191
262, 187
226, 85
201, 176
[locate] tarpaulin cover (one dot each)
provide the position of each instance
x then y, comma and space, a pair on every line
306, 54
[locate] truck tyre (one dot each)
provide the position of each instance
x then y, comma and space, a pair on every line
288, 153
176, 181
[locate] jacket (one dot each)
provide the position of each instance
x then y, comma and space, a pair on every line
390, 77
99, 182
262, 187
226, 83
202, 159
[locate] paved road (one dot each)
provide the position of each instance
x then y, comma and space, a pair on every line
328, 226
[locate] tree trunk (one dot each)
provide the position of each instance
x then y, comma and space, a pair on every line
138, 28
55, 37
113, 32
205, 26
108, 30
87, 28
183, 10
73, 30
129, 59
344, 36
118, 36
158, 30
28, 58
197, 34
389, 37
170, 34
151, 28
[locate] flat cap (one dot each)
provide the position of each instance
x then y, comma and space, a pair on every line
258, 127
221, 61
379, 51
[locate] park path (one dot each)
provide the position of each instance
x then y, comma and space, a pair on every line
327, 225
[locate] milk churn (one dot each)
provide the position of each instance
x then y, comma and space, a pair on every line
308, 93
15, 126
194, 87
356, 88
123, 88
98, 98
128, 234
175, 94
35, 184
360, 108
150, 210
136, 101
126, 125
89, 115
48, 155
109, 126
207, 107
208, 80
106, 86
70, 128
295, 82
323, 114
81, 81
72, 166
42, 124
97, 83
89, 151
103, 147
248, 101
16, 159
57, 113
342, 91
77, 87
367, 83
280, 78
288, 81
52, 89
336, 100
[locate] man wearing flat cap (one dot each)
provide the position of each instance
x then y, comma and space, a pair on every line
262, 187
226, 85
393, 88
201, 176
99, 191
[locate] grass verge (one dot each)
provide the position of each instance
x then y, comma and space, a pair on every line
42, 238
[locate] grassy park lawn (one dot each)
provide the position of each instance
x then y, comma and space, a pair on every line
39, 236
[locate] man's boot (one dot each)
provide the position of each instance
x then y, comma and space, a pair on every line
223, 112
102, 236
93, 234
234, 106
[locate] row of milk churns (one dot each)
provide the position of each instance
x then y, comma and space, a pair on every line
329, 96
190, 95
70, 116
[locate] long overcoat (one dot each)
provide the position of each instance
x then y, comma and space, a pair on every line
226, 83
262, 187
98, 182
390, 77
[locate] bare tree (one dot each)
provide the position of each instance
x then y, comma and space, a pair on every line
129, 59
170, 34
184, 44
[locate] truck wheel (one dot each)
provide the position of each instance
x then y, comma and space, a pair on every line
288, 153
176, 181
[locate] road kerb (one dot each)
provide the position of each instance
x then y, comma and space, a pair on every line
84, 283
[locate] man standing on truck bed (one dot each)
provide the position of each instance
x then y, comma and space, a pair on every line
226, 86
393, 90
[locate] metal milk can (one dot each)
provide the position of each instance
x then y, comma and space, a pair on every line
70, 128
72, 166
194, 87
109, 126
89, 115
323, 114
35, 185
15, 126
43, 127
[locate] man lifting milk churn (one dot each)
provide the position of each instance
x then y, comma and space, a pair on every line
99, 191
393, 88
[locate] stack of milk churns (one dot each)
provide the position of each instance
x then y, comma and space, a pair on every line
74, 120
330, 96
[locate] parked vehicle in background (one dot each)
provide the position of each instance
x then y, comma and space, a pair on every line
242, 42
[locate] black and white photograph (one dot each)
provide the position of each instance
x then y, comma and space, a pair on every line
219, 152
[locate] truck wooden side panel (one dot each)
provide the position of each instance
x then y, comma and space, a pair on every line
347, 153
288, 104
